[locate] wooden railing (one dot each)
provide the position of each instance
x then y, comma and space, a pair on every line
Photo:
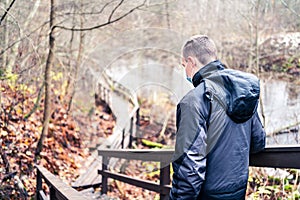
58, 189
122, 136
162, 156
275, 157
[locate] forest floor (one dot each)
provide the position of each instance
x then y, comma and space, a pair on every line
65, 149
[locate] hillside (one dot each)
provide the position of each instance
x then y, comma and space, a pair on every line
64, 151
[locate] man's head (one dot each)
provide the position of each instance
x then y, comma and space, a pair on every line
197, 52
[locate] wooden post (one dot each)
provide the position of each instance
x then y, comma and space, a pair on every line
104, 176
52, 193
164, 178
107, 96
131, 133
123, 138
99, 90
104, 94
38, 184
137, 123
138, 117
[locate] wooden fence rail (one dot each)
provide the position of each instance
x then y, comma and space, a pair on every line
275, 157
158, 155
58, 189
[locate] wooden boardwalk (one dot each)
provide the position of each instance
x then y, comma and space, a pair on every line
90, 178
125, 125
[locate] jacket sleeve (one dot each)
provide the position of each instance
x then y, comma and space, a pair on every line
258, 135
189, 161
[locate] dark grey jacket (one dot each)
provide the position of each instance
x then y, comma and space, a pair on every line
217, 128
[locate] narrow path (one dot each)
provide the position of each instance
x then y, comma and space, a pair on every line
123, 106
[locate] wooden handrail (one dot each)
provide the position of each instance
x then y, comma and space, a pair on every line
58, 189
277, 157
272, 156
149, 185
127, 129
158, 155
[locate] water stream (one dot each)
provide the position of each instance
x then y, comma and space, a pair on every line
281, 99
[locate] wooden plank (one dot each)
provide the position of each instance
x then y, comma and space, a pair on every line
273, 156
62, 190
90, 177
104, 176
149, 185
158, 155
38, 185
277, 157
282, 148
164, 178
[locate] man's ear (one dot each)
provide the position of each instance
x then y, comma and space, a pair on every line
192, 60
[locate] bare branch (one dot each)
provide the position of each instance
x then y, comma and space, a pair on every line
159, 4
15, 20
104, 24
89, 13
289, 8
7, 10
22, 38
114, 10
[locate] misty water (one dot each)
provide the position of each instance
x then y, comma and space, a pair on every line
281, 99
281, 102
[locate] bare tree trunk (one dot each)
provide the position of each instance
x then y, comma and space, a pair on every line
167, 14
33, 12
4, 41
69, 72
7, 10
257, 37
257, 68
78, 61
47, 101
250, 54
6, 34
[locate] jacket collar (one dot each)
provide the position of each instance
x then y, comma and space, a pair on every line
206, 71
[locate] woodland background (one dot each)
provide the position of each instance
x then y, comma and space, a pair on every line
47, 85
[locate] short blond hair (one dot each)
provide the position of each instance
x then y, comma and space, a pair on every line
201, 47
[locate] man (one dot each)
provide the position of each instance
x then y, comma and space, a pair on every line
217, 127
